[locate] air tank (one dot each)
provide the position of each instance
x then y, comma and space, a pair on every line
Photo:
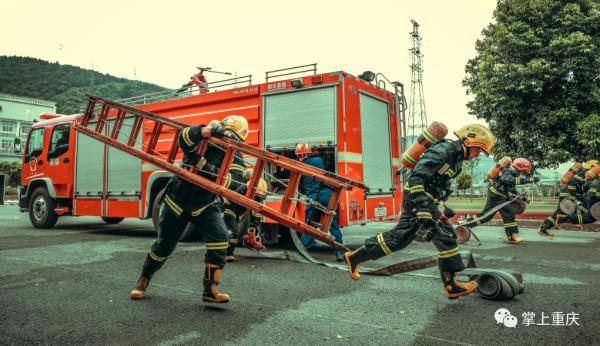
433, 134
571, 172
500, 165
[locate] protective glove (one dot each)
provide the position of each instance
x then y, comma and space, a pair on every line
217, 131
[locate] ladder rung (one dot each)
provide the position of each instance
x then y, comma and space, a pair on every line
102, 118
135, 130
118, 124
89, 112
327, 218
256, 175
174, 147
290, 191
156, 130
225, 164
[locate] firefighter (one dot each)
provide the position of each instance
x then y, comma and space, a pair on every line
573, 189
234, 213
185, 202
583, 216
503, 189
313, 189
428, 182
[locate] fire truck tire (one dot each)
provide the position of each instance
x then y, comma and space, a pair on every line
112, 220
41, 209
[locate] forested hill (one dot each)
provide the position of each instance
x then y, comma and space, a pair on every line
64, 84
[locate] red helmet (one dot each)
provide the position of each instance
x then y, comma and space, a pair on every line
522, 165
302, 149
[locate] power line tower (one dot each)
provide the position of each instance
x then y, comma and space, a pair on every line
417, 115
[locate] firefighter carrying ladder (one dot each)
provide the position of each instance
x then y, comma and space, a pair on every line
99, 111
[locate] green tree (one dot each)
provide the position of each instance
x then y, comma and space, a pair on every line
464, 181
535, 79
13, 171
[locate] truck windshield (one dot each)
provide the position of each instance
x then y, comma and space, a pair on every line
35, 144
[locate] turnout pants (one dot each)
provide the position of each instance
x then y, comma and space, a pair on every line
209, 223
507, 213
404, 233
559, 217
313, 214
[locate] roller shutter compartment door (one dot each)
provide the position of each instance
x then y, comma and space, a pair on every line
300, 116
375, 127
124, 170
89, 180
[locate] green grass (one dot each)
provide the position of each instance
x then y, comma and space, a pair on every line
479, 203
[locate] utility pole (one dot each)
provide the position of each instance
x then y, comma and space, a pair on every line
417, 115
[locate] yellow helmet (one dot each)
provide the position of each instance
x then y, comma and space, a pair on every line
238, 124
475, 135
261, 188
589, 164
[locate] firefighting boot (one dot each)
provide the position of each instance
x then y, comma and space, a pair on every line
354, 259
544, 232
139, 291
455, 288
229, 257
212, 274
514, 239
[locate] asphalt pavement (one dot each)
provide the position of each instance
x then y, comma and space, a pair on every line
71, 284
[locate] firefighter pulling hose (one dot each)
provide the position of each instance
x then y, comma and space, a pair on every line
502, 196
429, 181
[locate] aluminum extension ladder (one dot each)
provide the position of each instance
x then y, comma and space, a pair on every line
99, 111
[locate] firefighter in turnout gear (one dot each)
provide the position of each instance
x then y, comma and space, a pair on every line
318, 192
583, 216
236, 216
185, 202
429, 182
503, 189
573, 189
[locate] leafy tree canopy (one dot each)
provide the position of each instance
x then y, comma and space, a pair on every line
536, 79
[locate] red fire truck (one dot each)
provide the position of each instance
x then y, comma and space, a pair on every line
354, 123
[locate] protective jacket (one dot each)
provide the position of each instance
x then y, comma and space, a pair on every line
431, 178
183, 196
505, 183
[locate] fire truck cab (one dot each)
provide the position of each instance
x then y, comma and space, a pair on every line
355, 125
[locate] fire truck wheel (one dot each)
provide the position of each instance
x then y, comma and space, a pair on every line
112, 220
41, 209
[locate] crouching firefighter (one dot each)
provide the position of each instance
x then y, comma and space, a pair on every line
429, 181
320, 193
583, 215
236, 216
573, 186
501, 190
185, 202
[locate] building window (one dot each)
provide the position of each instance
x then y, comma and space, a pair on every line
6, 144
24, 129
9, 126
